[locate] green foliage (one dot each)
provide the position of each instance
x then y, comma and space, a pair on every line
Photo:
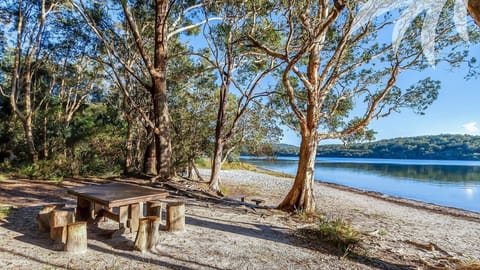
5, 210
203, 163
449, 147
46, 170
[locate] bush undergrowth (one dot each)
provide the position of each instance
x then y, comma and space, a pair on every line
336, 233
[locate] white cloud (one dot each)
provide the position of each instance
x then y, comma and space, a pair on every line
471, 127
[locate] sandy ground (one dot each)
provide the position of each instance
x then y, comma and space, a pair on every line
228, 234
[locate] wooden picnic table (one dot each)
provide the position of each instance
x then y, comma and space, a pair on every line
97, 201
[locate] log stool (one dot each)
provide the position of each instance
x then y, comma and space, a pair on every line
147, 234
59, 219
43, 217
176, 216
76, 238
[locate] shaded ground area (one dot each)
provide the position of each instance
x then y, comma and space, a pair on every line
228, 234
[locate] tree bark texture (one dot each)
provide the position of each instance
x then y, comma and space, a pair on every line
474, 10
159, 93
219, 137
150, 164
129, 147
216, 166
301, 196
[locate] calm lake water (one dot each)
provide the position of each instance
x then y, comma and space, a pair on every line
443, 182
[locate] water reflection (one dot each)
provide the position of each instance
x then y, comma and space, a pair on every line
449, 183
433, 173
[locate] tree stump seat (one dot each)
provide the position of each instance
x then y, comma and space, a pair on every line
258, 201
147, 234
43, 217
76, 241
59, 219
176, 216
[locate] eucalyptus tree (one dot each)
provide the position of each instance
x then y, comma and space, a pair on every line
193, 120
240, 74
168, 20
336, 80
28, 24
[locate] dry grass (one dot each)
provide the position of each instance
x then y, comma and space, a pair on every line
336, 233
474, 265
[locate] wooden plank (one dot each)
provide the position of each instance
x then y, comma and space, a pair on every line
117, 194
107, 214
133, 216
123, 216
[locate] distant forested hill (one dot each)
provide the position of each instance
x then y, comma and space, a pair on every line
462, 147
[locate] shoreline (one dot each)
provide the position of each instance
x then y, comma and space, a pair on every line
438, 208
393, 222
435, 208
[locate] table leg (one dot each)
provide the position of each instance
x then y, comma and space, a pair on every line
123, 216
83, 209
133, 216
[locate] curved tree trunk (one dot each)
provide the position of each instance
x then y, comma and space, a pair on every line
474, 10
301, 196
219, 137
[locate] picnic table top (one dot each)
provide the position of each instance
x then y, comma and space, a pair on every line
117, 194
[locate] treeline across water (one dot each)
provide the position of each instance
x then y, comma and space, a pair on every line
447, 147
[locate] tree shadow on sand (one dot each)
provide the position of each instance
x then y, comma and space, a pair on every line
283, 235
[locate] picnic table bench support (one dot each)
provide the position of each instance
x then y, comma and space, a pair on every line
154, 208
83, 209
128, 217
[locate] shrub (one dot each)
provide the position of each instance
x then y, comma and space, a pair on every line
336, 233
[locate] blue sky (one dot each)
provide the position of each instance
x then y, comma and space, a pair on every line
456, 111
